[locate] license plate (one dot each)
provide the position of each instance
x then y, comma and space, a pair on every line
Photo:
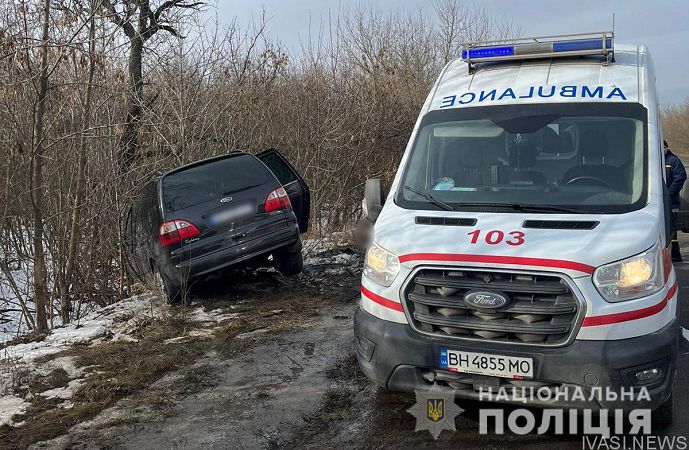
514, 367
232, 214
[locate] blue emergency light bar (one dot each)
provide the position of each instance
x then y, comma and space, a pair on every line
541, 47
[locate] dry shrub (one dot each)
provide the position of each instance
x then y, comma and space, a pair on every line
675, 120
341, 109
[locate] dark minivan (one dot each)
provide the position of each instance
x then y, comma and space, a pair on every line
216, 213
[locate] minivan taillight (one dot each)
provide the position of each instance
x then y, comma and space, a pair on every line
278, 199
176, 231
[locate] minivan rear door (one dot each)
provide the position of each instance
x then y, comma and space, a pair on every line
223, 198
294, 184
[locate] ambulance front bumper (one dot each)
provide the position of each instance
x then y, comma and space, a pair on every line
398, 358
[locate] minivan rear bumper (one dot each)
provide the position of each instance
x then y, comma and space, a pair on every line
240, 252
396, 357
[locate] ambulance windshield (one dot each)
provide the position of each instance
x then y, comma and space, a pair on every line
580, 158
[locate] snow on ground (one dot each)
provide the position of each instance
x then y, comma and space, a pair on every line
114, 322
11, 406
99, 323
65, 363
63, 392
11, 321
210, 317
315, 246
111, 322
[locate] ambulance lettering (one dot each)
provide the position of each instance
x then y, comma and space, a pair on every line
505, 95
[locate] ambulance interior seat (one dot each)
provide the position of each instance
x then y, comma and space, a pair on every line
470, 170
593, 148
523, 160
552, 144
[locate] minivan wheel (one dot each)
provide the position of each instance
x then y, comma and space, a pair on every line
665, 413
289, 261
170, 291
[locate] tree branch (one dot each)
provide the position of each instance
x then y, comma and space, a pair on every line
119, 20
167, 28
154, 17
174, 4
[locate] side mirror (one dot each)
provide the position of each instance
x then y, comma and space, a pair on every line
374, 198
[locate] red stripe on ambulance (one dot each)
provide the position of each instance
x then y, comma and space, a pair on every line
381, 300
491, 259
626, 316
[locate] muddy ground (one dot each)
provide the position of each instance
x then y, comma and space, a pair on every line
282, 376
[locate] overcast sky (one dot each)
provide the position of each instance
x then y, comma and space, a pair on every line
662, 25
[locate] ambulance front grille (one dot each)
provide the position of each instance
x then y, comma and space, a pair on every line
542, 309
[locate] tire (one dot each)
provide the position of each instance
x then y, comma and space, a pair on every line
665, 413
289, 262
170, 291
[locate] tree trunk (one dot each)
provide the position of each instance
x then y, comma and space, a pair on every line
69, 282
40, 275
129, 141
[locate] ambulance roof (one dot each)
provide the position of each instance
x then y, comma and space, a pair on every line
555, 80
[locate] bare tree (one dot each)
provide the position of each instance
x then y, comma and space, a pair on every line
460, 22
148, 21
41, 296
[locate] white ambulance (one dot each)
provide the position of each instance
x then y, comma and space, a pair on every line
524, 241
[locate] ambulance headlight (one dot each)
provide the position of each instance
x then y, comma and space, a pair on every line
381, 265
631, 278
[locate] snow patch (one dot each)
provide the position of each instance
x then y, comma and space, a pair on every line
63, 393
111, 321
250, 334
344, 259
326, 243
65, 363
205, 333
11, 406
214, 316
99, 323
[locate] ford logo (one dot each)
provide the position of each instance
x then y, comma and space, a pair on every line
486, 299
226, 200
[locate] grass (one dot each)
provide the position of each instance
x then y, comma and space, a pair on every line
123, 369
226, 340
56, 379
261, 395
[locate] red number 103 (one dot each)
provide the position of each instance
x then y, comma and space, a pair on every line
495, 237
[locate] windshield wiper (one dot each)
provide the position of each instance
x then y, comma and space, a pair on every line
430, 198
522, 207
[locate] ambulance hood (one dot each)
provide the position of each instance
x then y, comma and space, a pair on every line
504, 241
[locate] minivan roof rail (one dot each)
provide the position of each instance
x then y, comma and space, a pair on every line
556, 46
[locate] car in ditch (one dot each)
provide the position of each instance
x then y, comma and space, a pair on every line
229, 210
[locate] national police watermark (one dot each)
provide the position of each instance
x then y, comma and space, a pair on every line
600, 428
435, 410
568, 394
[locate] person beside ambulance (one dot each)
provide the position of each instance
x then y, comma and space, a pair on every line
675, 177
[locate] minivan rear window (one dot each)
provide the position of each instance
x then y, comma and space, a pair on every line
212, 180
